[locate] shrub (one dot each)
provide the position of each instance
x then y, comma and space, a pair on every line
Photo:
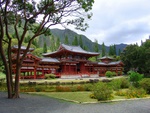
120, 93
145, 83
114, 74
135, 77
117, 84
38, 89
88, 87
63, 89
102, 92
50, 76
135, 93
80, 88
92, 96
108, 74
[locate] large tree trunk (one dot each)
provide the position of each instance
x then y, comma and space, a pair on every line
8, 76
16, 88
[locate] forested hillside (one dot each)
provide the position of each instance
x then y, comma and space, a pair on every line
62, 34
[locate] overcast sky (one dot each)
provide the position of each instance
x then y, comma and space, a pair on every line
119, 21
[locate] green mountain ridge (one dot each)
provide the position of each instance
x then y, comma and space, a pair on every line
87, 42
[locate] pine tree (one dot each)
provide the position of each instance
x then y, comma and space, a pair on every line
110, 50
96, 48
75, 41
45, 48
57, 43
52, 44
114, 50
80, 42
119, 52
66, 40
103, 50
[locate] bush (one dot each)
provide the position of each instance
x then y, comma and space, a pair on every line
109, 74
50, 76
120, 93
63, 89
135, 93
135, 77
88, 87
145, 83
117, 84
114, 74
102, 92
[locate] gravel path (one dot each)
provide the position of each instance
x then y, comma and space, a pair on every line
40, 104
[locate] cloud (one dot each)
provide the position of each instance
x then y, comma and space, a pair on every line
119, 21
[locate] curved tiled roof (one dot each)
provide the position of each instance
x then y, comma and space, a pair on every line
22, 48
111, 63
50, 60
106, 57
73, 49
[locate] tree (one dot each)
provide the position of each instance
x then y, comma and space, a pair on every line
114, 50
130, 58
96, 48
75, 41
57, 43
23, 16
52, 43
103, 50
110, 50
45, 48
80, 42
66, 40
119, 52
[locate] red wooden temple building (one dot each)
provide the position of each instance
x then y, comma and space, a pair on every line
67, 61
107, 64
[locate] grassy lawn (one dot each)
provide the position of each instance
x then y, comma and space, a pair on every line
2, 75
69, 96
79, 97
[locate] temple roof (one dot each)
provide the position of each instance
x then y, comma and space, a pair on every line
51, 60
72, 49
106, 57
23, 48
110, 63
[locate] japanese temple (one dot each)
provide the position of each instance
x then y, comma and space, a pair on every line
68, 61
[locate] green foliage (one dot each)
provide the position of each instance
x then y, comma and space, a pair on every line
88, 87
75, 41
112, 50
103, 50
102, 92
45, 48
2, 75
66, 40
110, 74
120, 83
132, 93
145, 84
50, 76
135, 77
96, 48
137, 58
38, 52
80, 41
135, 93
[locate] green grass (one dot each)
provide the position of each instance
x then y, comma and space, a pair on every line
69, 96
79, 97
2, 75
